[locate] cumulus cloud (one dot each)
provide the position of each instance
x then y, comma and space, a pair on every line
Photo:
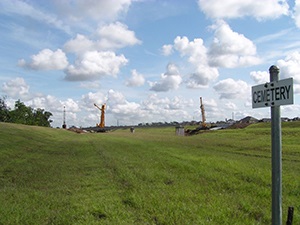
167, 50
230, 106
135, 80
90, 98
93, 64
194, 50
154, 108
232, 89
56, 107
230, 49
116, 35
46, 60
16, 88
290, 66
267, 9
166, 108
260, 77
197, 57
109, 37
79, 44
119, 107
48, 102
170, 80
71, 105
202, 76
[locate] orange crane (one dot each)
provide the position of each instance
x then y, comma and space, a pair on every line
203, 114
102, 118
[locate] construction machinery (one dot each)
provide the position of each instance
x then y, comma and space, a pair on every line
203, 114
102, 117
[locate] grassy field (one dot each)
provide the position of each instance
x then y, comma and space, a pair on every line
53, 176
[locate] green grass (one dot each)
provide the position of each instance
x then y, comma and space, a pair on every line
53, 176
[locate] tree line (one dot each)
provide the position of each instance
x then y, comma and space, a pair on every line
23, 114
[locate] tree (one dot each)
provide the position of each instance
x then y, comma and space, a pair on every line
42, 118
4, 111
23, 114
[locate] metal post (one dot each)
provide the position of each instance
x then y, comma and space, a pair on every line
290, 216
276, 156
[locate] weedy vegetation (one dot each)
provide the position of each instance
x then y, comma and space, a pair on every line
152, 176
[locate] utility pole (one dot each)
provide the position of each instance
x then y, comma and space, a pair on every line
64, 126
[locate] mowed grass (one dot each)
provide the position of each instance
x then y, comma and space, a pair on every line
152, 176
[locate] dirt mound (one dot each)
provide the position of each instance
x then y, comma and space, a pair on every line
76, 130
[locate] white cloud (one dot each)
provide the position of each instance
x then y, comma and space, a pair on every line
92, 65
79, 44
202, 76
154, 108
296, 14
90, 98
46, 60
56, 107
109, 37
167, 50
135, 80
119, 107
71, 105
267, 9
16, 88
116, 35
197, 56
296, 88
212, 110
232, 89
290, 66
260, 77
169, 80
48, 102
116, 97
166, 109
195, 50
230, 106
230, 49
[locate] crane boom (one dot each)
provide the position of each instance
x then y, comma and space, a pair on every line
202, 113
102, 118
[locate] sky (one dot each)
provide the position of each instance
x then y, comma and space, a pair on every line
147, 60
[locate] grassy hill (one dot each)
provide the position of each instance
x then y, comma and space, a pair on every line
54, 176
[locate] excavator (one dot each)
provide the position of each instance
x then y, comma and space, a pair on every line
102, 118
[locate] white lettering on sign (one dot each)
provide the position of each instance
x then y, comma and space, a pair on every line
273, 94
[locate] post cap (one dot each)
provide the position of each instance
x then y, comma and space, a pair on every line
274, 69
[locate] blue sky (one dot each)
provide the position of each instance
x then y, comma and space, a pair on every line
148, 60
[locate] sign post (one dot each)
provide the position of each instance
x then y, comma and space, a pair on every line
276, 156
273, 94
